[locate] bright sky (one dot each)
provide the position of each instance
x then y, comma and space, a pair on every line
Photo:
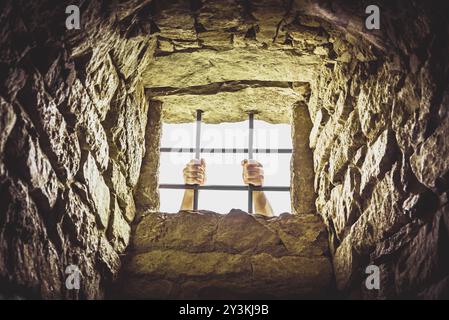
225, 169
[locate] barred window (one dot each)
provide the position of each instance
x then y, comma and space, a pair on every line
224, 146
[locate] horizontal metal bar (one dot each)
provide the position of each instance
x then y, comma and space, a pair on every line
225, 150
224, 187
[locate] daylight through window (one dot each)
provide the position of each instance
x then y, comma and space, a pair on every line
224, 146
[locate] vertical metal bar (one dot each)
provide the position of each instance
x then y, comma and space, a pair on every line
250, 157
198, 134
197, 154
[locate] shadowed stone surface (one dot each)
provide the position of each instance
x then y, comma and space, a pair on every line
79, 139
228, 256
380, 146
302, 174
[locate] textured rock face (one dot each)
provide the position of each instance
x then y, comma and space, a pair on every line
72, 127
208, 66
228, 256
380, 155
272, 104
147, 191
80, 116
303, 195
241, 56
429, 161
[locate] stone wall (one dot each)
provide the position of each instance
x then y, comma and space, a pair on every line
302, 193
72, 125
231, 256
74, 116
147, 191
380, 137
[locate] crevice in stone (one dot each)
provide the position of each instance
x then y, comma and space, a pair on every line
251, 34
213, 88
185, 51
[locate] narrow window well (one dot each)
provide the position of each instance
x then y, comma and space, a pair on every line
223, 147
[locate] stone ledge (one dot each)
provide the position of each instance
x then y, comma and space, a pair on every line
209, 255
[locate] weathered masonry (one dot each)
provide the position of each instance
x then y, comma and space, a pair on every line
80, 120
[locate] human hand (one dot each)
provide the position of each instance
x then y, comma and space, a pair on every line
195, 172
252, 172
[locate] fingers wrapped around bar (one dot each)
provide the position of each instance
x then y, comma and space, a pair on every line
195, 172
253, 172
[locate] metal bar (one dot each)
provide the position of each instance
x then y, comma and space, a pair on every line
250, 157
251, 136
197, 155
224, 187
224, 150
198, 134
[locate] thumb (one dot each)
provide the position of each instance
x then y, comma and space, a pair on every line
244, 162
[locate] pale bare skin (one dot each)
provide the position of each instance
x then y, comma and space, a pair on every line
195, 173
253, 174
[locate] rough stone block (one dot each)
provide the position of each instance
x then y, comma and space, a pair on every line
269, 17
117, 181
378, 160
424, 259
102, 82
98, 191
108, 260
302, 174
216, 39
90, 130
13, 80
324, 144
347, 264
422, 205
382, 215
359, 156
60, 144
292, 228
146, 193
343, 207
132, 56
24, 244
345, 147
176, 22
215, 15
323, 188
430, 162
417, 264
238, 254
7, 120
27, 159
119, 230
125, 123
79, 222
334, 209
351, 194
117, 184
372, 119
320, 120
274, 103
207, 66
343, 107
